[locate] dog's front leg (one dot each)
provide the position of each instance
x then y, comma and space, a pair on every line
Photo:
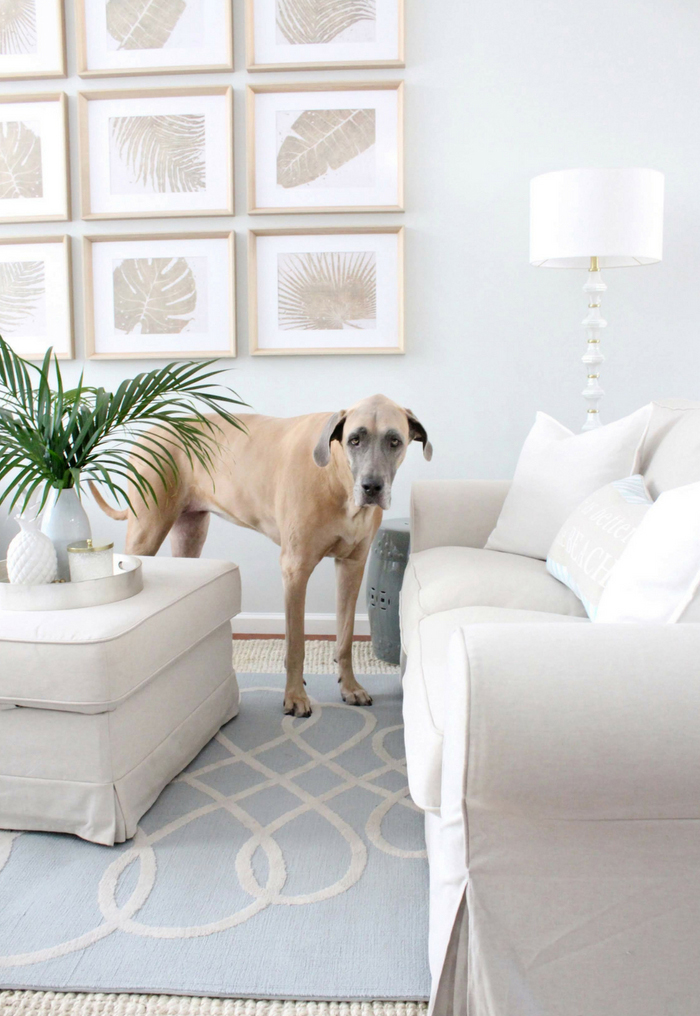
296, 578
348, 579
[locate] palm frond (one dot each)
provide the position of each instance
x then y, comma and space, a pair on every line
321, 21
165, 153
50, 436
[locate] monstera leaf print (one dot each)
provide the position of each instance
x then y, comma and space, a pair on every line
20, 161
327, 290
17, 26
319, 21
21, 291
323, 139
143, 24
164, 152
154, 296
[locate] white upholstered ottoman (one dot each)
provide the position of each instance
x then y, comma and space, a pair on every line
101, 707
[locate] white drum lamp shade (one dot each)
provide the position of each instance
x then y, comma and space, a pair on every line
615, 215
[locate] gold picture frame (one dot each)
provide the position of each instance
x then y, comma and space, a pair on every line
59, 178
255, 90
340, 231
84, 71
86, 203
54, 9
253, 65
68, 351
91, 350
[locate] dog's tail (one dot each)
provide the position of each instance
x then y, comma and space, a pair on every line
113, 513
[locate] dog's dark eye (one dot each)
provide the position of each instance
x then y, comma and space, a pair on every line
354, 441
394, 442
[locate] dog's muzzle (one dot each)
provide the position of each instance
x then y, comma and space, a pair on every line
372, 491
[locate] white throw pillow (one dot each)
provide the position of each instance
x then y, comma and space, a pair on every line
658, 574
594, 537
556, 470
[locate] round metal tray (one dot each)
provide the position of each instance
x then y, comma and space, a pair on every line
126, 581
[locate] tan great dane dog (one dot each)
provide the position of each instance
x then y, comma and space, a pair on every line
314, 484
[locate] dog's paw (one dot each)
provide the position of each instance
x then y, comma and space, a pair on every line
356, 696
297, 704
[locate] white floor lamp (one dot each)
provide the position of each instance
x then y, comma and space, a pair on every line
596, 218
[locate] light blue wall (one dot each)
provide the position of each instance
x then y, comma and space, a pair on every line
496, 92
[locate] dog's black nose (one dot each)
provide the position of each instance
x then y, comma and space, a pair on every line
372, 487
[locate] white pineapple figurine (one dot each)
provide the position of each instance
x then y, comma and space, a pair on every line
31, 556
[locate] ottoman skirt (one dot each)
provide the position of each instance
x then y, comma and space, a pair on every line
94, 768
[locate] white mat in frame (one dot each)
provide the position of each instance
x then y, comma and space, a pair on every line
336, 289
34, 43
156, 153
281, 36
34, 157
325, 147
187, 36
159, 295
36, 309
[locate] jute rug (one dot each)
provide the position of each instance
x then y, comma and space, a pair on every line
286, 862
266, 656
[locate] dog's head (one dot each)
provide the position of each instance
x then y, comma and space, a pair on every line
374, 435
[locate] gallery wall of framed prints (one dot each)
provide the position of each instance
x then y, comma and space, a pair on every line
164, 151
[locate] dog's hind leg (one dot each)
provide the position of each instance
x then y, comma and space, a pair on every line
189, 533
145, 533
348, 579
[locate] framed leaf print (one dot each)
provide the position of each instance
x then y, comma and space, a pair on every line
335, 290
324, 34
33, 158
159, 296
32, 39
156, 153
35, 295
325, 147
120, 37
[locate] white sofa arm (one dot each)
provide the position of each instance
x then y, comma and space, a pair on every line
578, 722
564, 865
455, 513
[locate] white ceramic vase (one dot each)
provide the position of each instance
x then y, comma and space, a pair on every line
31, 557
65, 521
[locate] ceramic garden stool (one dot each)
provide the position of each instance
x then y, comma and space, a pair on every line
387, 563
100, 707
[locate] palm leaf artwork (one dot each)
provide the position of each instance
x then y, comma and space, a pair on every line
20, 161
143, 24
53, 438
21, 292
327, 290
321, 21
17, 26
154, 296
323, 139
165, 153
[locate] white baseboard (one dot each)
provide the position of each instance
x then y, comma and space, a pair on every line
273, 624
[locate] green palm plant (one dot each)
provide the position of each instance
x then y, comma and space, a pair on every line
52, 437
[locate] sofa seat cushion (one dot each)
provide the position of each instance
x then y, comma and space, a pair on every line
424, 688
105, 654
445, 578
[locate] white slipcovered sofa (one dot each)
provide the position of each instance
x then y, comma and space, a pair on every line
558, 764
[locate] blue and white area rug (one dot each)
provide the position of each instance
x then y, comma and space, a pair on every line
287, 861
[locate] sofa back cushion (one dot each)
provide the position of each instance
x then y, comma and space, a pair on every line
670, 455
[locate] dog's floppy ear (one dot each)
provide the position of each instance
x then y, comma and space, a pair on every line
417, 432
333, 431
